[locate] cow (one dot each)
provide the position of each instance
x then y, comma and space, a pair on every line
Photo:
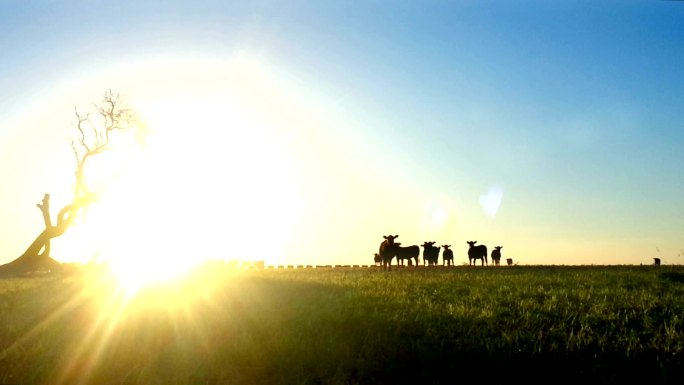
496, 255
430, 253
385, 254
509, 261
477, 252
378, 259
409, 252
656, 261
447, 255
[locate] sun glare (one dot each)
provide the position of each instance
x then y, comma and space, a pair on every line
135, 275
215, 177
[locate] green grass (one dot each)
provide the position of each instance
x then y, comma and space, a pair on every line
349, 326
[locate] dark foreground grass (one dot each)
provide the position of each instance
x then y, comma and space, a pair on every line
351, 326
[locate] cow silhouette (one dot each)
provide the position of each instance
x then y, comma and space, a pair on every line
386, 254
402, 253
447, 255
477, 252
430, 253
496, 255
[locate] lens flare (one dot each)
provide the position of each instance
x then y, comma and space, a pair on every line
491, 201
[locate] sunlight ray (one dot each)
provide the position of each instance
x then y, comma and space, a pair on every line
111, 304
62, 311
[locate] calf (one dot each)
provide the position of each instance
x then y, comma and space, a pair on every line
496, 255
430, 253
447, 256
385, 254
409, 252
378, 259
477, 252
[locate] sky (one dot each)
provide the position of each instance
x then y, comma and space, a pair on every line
301, 132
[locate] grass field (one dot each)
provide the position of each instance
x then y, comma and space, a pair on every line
350, 326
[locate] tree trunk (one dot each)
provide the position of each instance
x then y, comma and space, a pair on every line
36, 258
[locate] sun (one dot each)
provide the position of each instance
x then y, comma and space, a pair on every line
216, 180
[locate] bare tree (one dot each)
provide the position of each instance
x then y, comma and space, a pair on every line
94, 137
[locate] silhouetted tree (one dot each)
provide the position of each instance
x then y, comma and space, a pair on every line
94, 137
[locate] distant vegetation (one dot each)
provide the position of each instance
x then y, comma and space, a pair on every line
350, 326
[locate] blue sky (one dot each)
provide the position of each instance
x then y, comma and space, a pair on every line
570, 113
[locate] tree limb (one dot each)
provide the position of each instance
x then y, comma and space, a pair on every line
45, 209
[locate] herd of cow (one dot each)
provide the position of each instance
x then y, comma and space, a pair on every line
390, 249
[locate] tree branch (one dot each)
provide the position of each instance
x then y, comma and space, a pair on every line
97, 140
45, 209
